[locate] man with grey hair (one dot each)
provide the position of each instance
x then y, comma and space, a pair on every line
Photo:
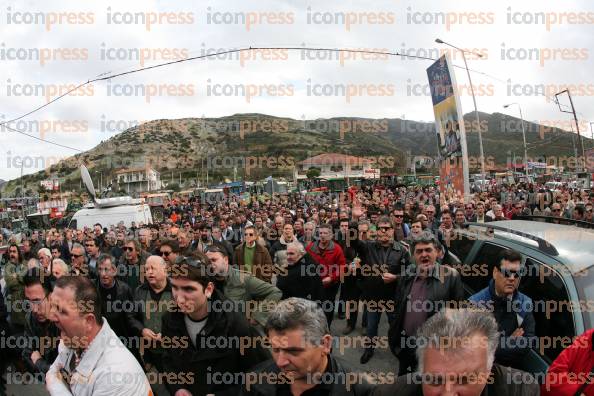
301, 360
424, 289
456, 353
301, 276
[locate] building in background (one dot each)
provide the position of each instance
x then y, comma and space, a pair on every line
138, 180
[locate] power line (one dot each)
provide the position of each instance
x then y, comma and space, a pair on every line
111, 76
38, 138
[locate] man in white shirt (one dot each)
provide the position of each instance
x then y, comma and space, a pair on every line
91, 360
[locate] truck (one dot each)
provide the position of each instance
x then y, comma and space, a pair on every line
109, 211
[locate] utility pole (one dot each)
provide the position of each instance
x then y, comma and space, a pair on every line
580, 147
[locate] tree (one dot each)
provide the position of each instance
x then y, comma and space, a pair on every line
312, 173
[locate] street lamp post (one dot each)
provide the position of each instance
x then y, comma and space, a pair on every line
478, 123
523, 137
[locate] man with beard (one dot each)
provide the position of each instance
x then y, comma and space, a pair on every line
202, 238
349, 292
91, 359
301, 277
39, 330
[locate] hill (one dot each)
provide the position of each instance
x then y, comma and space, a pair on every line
253, 146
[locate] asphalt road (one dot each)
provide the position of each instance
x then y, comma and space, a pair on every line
348, 347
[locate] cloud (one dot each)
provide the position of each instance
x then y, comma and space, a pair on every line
530, 47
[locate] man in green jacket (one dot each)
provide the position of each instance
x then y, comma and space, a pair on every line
251, 295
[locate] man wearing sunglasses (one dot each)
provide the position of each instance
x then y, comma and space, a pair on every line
252, 257
512, 309
169, 250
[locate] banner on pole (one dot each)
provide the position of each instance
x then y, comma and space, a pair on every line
451, 135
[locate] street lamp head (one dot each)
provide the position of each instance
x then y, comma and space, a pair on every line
438, 41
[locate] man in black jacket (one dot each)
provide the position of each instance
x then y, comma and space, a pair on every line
301, 277
383, 261
302, 362
116, 298
209, 340
41, 334
456, 351
425, 288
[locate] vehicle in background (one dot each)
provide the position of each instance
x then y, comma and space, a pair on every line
559, 262
157, 203
109, 211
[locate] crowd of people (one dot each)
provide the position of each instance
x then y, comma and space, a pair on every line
235, 297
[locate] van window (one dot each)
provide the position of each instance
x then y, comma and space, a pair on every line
546, 288
484, 262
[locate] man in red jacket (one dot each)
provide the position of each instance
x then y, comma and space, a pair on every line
571, 373
332, 264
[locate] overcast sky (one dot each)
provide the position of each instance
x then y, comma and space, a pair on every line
87, 39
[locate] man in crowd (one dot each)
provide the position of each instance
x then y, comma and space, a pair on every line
512, 309
241, 286
383, 261
92, 250
14, 271
456, 354
79, 265
330, 257
41, 334
152, 299
169, 250
423, 281
302, 362
91, 359
217, 236
401, 229
132, 263
253, 257
115, 297
281, 244
301, 278
206, 334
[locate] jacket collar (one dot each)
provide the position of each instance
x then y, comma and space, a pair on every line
94, 352
316, 247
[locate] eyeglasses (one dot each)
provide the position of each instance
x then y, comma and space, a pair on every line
510, 273
555, 210
384, 228
35, 303
249, 234
76, 255
166, 254
196, 263
128, 248
398, 216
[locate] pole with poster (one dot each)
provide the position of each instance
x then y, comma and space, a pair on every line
451, 134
